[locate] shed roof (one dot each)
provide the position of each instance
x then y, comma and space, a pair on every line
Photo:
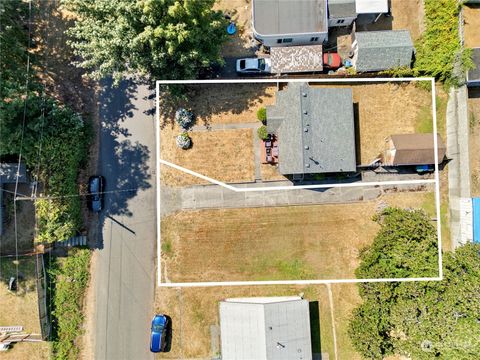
276, 328
315, 129
474, 74
272, 17
382, 50
8, 173
338, 9
417, 149
371, 6
296, 59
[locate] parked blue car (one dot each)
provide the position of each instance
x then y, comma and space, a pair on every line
158, 333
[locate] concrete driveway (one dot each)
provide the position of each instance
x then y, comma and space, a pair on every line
125, 270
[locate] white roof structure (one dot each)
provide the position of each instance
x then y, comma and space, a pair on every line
268, 328
371, 6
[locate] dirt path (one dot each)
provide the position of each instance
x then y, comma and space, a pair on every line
334, 332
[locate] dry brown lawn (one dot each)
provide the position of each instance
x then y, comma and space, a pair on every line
383, 110
270, 173
238, 45
215, 104
225, 155
28, 351
472, 24
21, 307
272, 243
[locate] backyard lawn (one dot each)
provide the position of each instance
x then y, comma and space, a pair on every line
273, 243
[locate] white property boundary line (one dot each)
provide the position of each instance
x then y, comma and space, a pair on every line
239, 189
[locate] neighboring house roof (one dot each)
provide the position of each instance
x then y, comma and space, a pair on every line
315, 129
276, 328
371, 6
382, 50
272, 17
8, 173
296, 59
473, 75
416, 149
339, 9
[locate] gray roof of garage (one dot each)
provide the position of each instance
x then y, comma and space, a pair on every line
272, 17
382, 50
338, 9
315, 129
265, 329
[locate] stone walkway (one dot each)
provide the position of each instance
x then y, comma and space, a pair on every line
218, 197
459, 166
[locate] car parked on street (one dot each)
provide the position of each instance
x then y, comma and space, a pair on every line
158, 335
96, 188
253, 66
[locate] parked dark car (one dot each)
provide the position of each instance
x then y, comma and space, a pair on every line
158, 336
96, 188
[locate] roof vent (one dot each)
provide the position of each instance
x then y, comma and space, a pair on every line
304, 94
305, 129
307, 165
306, 147
305, 112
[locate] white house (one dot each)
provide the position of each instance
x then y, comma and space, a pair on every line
265, 328
286, 23
341, 12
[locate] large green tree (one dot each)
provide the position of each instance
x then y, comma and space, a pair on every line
165, 39
422, 320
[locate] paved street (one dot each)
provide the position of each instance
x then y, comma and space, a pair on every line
125, 271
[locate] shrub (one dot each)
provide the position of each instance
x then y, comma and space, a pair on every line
184, 141
262, 115
262, 132
184, 118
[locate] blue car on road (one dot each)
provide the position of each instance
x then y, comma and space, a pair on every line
158, 333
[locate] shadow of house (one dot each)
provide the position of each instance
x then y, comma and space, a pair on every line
124, 162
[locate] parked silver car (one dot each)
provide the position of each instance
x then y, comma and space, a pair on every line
253, 66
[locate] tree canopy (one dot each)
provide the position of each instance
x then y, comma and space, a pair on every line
422, 320
165, 39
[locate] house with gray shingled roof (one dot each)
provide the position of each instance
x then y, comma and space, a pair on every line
381, 50
315, 129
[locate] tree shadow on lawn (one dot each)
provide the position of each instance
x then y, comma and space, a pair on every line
123, 162
206, 100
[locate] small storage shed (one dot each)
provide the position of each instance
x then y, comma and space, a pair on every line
473, 75
412, 149
341, 12
381, 50
289, 22
265, 328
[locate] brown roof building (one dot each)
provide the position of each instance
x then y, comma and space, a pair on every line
412, 149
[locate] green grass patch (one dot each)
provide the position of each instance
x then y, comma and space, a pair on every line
167, 247
430, 208
294, 269
424, 122
70, 278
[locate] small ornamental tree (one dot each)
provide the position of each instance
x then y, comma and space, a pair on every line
184, 118
262, 132
184, 141
262, 115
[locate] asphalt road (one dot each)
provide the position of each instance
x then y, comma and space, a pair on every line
125, 278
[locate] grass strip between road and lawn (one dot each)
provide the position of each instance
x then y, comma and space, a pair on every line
69, 279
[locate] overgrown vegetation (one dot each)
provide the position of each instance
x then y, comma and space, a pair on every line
162, 39
70, 278
419, 320
54, 141
439, 47
262, 115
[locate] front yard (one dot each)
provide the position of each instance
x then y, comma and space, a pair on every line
273, 243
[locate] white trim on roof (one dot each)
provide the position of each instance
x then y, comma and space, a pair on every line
371, 6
